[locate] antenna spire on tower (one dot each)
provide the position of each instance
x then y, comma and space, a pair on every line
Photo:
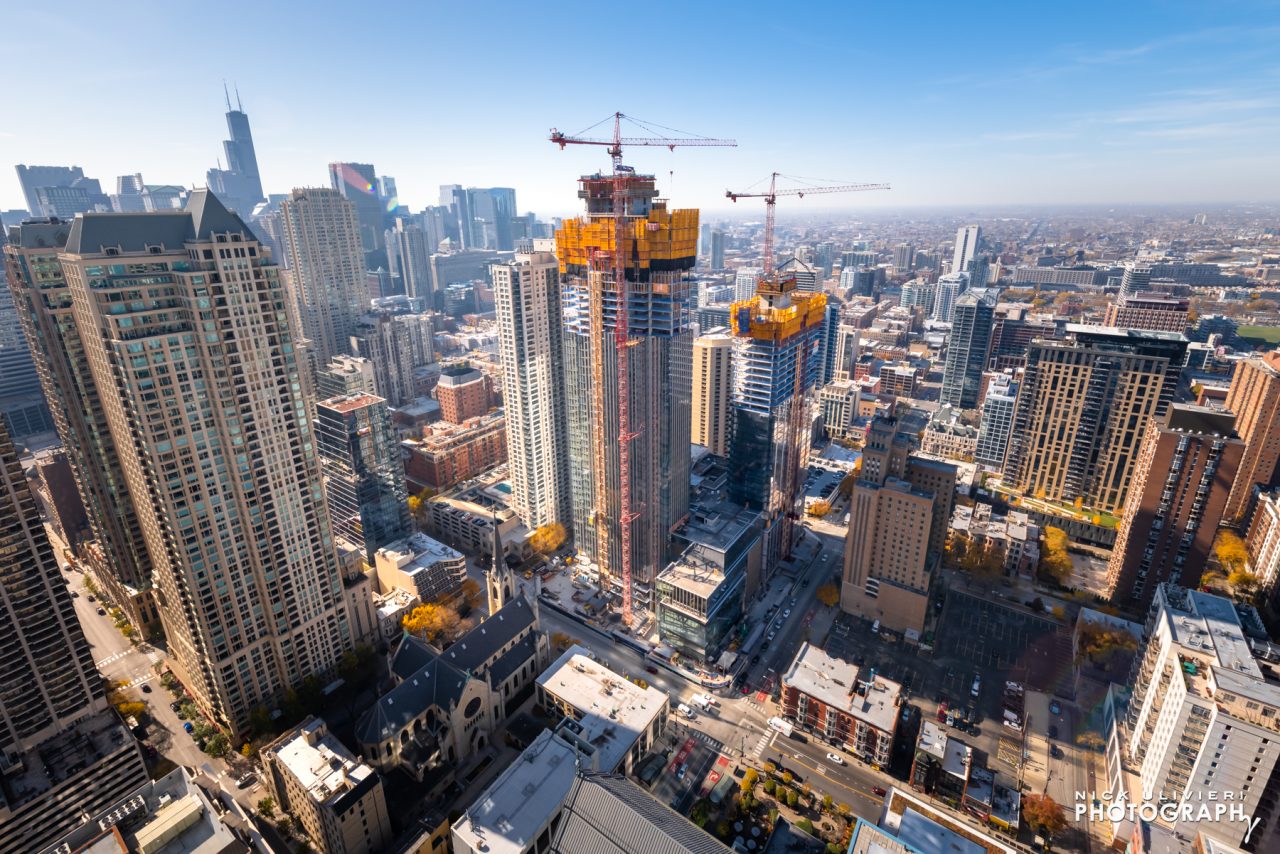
227, 94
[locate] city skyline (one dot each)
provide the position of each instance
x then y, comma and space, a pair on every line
1167, 104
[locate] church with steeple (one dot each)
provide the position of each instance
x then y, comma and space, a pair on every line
501, 579
447, 700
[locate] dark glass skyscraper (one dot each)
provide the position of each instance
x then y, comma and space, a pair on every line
358, 184
967, 347
239, 185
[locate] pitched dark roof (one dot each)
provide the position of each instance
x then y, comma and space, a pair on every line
134, 232
40, 234
209, 215
91, 233
413, 654
436, 684
513, 659
608, 814
474, 649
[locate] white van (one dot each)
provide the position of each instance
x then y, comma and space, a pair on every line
702, 701
875, 627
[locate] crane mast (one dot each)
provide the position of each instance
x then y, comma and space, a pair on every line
616, 263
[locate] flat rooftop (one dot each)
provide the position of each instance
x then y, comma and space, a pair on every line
598, 692
687, 572
509, 815
958, 758
350, 402
718, 524
835, 682
418, 551
932, 740
320, 763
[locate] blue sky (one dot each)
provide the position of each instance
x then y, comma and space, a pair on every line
952, 103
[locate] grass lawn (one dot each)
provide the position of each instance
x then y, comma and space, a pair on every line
1270, 334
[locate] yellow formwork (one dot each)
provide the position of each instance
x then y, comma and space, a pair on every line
777, 324
665, 237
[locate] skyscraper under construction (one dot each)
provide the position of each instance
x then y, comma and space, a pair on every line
777, 359
659, 247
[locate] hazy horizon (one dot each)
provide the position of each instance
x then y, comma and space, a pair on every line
999, 106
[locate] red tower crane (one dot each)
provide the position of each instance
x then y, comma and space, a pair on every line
771, 199
623, 176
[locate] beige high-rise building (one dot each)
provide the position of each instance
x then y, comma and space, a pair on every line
185, 332
1083, 407
712, 390
526, 295
1254, 397
117, 552
898, 516
322, 236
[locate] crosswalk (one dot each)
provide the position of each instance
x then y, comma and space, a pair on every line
762, 744
115, 656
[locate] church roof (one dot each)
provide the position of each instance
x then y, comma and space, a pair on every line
474, 650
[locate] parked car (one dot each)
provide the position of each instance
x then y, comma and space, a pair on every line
878, 790
102, 613
835, 758
755, 659
773, 634
1055, 708
246, 781
649, 668
1053, 731
175, 705
1055, 751
786, 613
189, 727
146, 689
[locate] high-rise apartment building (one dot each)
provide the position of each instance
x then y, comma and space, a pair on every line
744, 282
1135, 280
946, 292
898, 517
1149, 311
830, 343
322, 234
717, 250
58, 191
712, 390
918, 293
387, 344
1254, 397
346, 375
22, 405
777, 342
118, 552
526, 295
1083, 405
358, 184
363, 474
904, 258
664, 242
1185, 468
188, 343
998, 409
493, 217
413, 254
967, 347
968, 242
66, 754
804, 273
239, 186
1203, 719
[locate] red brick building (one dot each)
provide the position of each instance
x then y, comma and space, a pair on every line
464, 393
835, 702
448, 454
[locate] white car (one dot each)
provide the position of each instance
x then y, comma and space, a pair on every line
786, 613
835, 758
773, 634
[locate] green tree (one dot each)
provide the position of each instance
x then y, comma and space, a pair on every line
699, 813
793, 798
827, 801
749, 780
218, 745
787, 778
267, 807
770, 786
188, 711
805, 825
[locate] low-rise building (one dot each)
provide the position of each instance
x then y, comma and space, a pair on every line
336, 799
840, 704
838, 403
464, 516
447, 454
424, 567
947, 436
619, 717
900, 380
183, 812
1014, 536
909, 825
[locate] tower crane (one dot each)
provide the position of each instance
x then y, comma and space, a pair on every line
771, 199
616, 262
785, 484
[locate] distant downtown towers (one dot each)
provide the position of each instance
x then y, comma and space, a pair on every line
660, 246
188, 355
